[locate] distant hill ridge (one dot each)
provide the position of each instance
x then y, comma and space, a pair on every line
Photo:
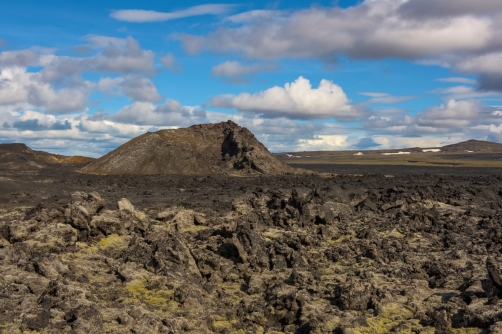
474, 146
19, 156
222, 148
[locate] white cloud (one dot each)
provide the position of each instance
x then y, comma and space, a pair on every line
460, 118
324, 143
139, 15
451, 114
101, 41
121, 58
486, 63
463, 35
370, 30
296, 100
171, 113
448, 8
19, 58
110, 86
255, 15
19, 86
459, 80
171, 63
140, 89
384, 98
134, 86
463, 92
388, 123
374, 94
129, 59
236, 69
66, 99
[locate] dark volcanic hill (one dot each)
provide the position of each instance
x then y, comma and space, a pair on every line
21, 157
474, 146
222, 148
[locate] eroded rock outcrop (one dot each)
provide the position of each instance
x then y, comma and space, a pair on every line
221, 148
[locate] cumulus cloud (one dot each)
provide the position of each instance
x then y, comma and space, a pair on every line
389, 123
66, 99
70, 134
370, 30
34, 125
460, 118
140, 89
171, 63
171, 113
449, 8
136, 87
115, 58
296, 100
97, 134
453, 114
36, 121
19, 86
459, 34
323, 143
235, 69
20, 58
140, 16
59, 88
485, 63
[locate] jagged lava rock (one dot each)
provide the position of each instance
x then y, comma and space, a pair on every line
220, 148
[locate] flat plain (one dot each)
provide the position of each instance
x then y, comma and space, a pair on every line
377, 157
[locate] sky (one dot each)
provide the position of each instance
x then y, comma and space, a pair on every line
82, 78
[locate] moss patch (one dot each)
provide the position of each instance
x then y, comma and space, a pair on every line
162, 298
113, 242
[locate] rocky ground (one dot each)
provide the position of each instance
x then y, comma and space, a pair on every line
271, 254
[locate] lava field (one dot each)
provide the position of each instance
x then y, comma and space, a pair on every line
309, 253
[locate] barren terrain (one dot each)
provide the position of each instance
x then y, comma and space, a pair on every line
471, 153
356, 251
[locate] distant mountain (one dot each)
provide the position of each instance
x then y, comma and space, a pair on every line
222, 148
474, 146
20, 157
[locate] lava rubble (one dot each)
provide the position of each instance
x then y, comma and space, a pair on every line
337, 256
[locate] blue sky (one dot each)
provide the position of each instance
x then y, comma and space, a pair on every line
83, 78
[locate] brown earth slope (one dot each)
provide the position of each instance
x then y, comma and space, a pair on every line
17, 156
200, 149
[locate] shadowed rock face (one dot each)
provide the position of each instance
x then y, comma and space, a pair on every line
200, 149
